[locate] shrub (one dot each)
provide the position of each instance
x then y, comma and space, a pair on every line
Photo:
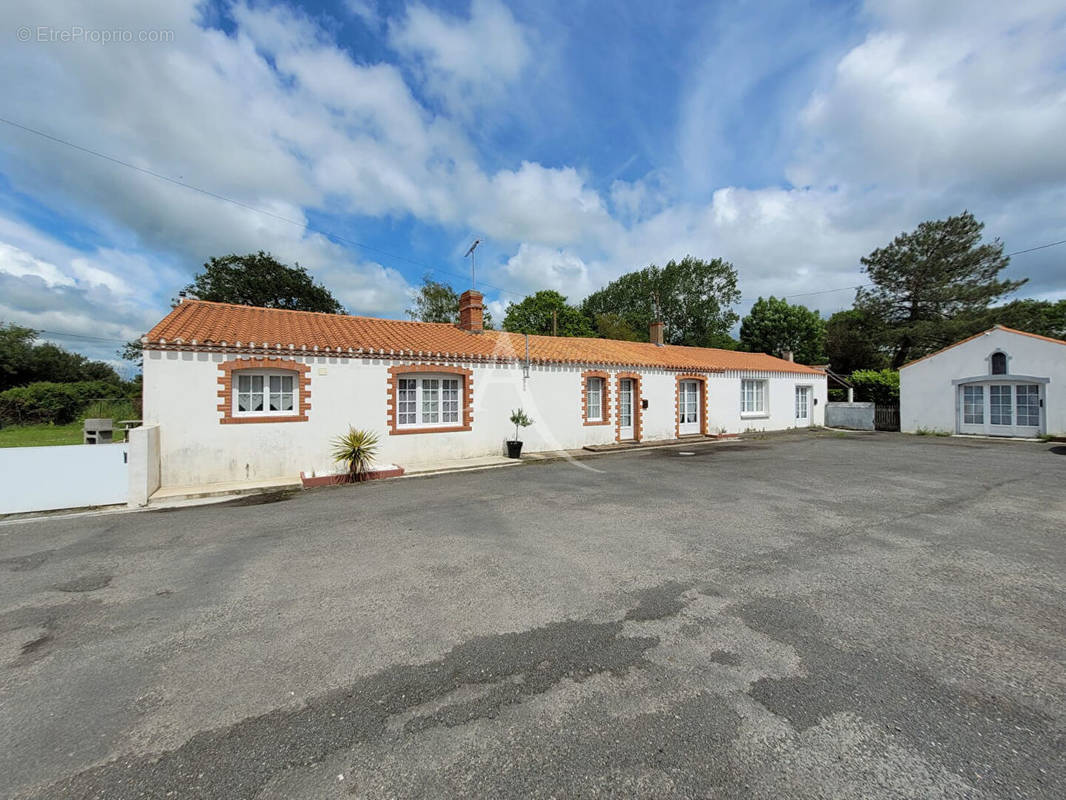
58, 403
111, 408
357, 449
876, 386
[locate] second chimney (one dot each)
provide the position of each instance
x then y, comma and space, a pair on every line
788, 355
471, 311
655, 333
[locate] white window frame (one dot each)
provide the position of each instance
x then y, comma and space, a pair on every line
420, 380
266, 375
598, 394
760, 397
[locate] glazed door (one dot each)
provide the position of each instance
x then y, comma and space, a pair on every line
803, 406
688, 408
625, 408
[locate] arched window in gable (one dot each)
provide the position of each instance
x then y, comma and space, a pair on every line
999, 363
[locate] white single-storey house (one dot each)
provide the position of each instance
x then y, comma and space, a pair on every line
242, 393
1000, 382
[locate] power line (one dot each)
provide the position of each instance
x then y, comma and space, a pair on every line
1040, 247
256, 209
81, 336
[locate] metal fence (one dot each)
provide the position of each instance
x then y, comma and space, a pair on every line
886, 418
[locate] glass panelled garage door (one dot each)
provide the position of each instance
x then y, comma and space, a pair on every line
1001, 409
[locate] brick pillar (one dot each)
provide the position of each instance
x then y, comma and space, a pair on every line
471, 310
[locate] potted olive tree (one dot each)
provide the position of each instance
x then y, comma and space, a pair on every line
519, 420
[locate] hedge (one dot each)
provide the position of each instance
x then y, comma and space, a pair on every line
876, 386
58, 403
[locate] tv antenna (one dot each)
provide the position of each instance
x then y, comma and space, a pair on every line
473, 260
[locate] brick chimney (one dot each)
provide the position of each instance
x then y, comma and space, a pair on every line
655, 333
471, 310
788, 355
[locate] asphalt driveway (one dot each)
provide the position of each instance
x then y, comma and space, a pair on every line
807, 615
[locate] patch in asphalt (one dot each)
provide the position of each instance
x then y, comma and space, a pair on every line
1059, 450
257, 499
34, 645
988, 740
658, 602
27, 562
725, 657
239, 760
85, 583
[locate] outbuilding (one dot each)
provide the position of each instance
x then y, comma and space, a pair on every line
1001, 382
243, 394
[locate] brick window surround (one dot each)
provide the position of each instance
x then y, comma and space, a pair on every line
605, 401
703, 402
395, 373
638, 416
225, 389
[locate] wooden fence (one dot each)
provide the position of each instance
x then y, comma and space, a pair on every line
886, 418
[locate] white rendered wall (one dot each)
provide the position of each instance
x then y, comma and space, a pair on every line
927, 397
180, 394
143, 464
65, 476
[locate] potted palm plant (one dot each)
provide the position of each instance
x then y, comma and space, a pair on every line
519, 420
357, 450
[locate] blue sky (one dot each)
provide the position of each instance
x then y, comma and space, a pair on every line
577, 140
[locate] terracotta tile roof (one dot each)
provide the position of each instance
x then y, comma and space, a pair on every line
197, 323
982, 333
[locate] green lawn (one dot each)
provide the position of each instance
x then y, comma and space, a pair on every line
40, 435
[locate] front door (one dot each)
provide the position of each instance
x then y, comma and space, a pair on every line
1000, 409
625, 408
688, 408
803, 406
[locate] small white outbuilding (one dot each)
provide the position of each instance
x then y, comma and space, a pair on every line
1001, 382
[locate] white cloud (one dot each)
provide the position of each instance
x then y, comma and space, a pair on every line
970, 95
466, 63
366, 10
536, 267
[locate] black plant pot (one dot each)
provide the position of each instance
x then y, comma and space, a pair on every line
514, 449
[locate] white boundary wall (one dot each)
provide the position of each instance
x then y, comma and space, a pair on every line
67, 476
143, 464
181, 396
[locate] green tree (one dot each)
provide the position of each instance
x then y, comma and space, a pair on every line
775, 325
851, 343
932, 284
1033, 316
133, 351
692, 296
534, 315
614, 326
24, 361
259, 279
16, 349
439, 302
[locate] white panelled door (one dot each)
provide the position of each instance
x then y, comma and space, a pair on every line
688, 408
625, 408
803, 406
1000, 409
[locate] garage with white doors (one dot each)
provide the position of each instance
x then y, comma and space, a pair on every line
1001, 382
